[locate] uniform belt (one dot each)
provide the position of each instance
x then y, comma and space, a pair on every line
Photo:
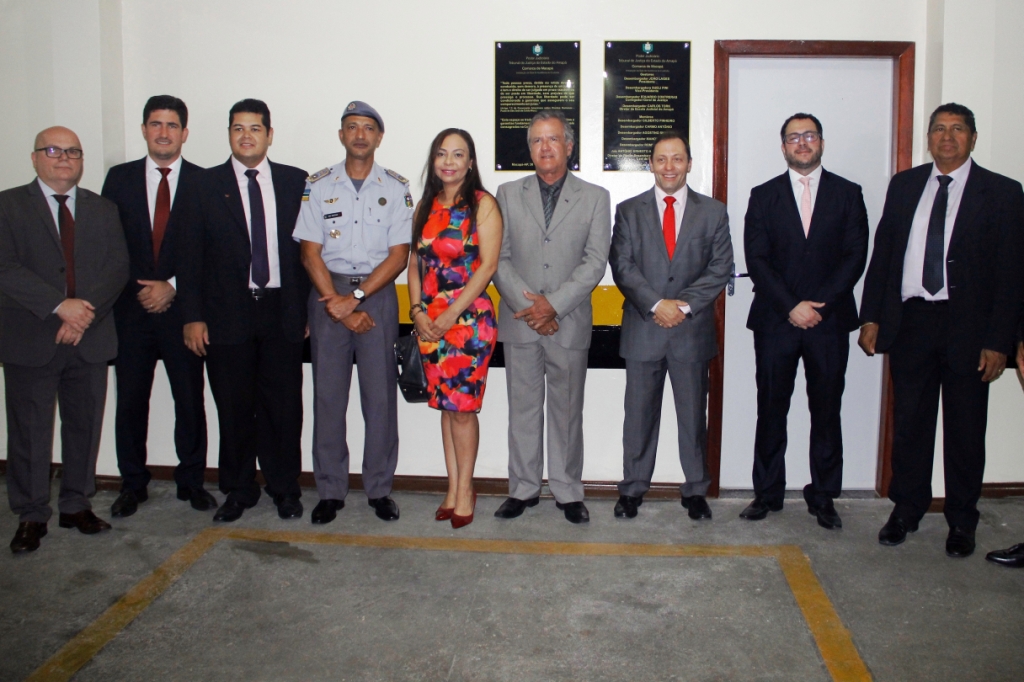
259, 294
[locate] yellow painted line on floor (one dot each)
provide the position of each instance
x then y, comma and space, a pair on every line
832, 638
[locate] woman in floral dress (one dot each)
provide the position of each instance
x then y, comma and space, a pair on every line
456, 243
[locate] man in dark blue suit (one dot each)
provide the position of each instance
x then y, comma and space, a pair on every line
942, 297
148, 318
243, 293
806, 241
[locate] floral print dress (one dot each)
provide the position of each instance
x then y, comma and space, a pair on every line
456, 366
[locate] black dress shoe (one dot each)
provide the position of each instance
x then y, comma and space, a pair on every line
895, 530
85, 521
512, 507
827, 515
288, 506
575, 512
385, 508
127, 503
26, 539
231, 510
200, 498
697, 507
1012, 557
959, 543
625, 508
759, 508
325, 511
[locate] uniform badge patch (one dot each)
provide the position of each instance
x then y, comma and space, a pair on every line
382, 201
396, 176
335, 234
305, 194
408, 200
320, 174
331, 200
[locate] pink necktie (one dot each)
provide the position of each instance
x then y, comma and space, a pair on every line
805, 206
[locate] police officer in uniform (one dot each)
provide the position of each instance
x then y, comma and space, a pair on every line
355, 226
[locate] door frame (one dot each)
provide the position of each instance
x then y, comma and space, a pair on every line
902, 56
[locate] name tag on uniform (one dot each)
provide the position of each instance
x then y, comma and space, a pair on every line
328, 216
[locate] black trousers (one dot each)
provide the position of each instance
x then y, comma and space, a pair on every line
825, 351
140, 344
257, 386
918, 360
79, 388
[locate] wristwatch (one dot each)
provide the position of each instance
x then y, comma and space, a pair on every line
359, 295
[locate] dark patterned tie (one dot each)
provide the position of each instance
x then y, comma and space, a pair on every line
549, 205
66, 225
161, 213
260, 260
934, 268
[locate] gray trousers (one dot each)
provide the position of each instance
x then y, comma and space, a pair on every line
527, 366
645, 388
80, 389
333, 348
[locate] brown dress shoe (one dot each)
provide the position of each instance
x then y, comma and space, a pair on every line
27, 537
85, 521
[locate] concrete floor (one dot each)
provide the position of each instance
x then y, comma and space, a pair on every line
253, 610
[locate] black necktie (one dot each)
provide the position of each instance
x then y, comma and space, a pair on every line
66, 225
935, 246
260, 261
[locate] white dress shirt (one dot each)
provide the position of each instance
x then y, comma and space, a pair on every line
798, 187
153, 176
52, 203
266, 183
680, 209
913, 260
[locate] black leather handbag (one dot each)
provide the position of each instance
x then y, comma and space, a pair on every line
412, 380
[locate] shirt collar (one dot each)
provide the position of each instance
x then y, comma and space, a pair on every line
679, 196
48, 191
959, 175
263, 168
175, 167
814, 175
553, 187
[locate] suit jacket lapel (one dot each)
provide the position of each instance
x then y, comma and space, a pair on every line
282, 201
970, 203
533, 200
794, 223
650, 222
913, 197
690, 217
233, 198
39, 202
567, 198
822, 205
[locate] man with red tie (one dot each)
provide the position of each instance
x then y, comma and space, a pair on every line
805, 239
148, 317
671, 256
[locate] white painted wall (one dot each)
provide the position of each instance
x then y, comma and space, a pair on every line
90, 64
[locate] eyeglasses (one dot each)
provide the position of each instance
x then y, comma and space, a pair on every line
810, 137
57, 152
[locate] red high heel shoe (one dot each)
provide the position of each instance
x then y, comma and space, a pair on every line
444, 513
460, 521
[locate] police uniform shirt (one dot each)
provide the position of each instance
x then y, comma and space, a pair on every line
356, 229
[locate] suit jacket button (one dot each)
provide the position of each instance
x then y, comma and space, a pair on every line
545, 266
542, 291
546, 240
671, 279
62, 269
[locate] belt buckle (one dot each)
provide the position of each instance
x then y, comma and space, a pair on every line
355, 281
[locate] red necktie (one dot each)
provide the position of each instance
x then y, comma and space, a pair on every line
161, 213
66, 225
668, 226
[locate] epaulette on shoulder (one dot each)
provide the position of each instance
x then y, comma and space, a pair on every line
396, 176
320, 174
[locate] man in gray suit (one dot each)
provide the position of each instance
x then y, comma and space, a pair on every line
553, 253
671, 256
63, 263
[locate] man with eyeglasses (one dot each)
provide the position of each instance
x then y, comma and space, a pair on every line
63, 263
942, 297
805, 240
148, 317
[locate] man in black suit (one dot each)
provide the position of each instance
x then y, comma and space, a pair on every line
63, 263
942, 297
806, 243
243, 290
147, 317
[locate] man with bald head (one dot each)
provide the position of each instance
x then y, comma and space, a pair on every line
63, 263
